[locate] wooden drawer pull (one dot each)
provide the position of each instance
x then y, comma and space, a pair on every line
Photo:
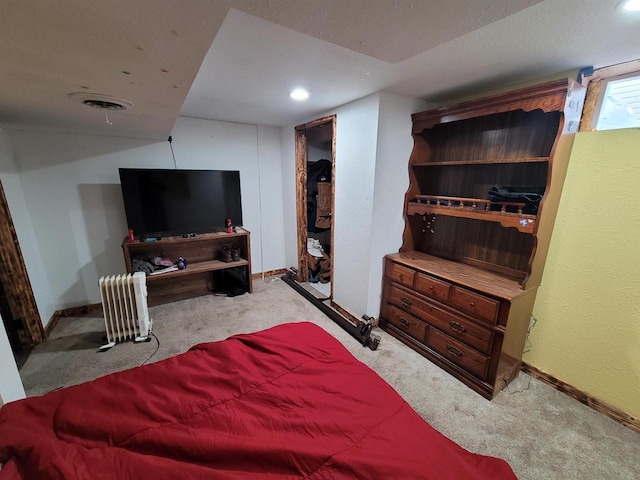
457, 327
405, 301
403, 321
472, 304
454, 351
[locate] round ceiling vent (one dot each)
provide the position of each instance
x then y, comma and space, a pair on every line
103, 102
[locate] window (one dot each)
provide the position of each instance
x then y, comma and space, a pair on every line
619, 103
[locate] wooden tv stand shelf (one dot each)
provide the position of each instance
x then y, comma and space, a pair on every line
202, 253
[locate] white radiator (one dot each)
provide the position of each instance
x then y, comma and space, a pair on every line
124, 304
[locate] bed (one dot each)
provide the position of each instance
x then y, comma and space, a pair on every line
287, 402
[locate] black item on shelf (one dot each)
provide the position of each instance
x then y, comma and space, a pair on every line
231, 281
530, 196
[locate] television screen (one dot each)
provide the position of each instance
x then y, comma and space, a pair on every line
177, 202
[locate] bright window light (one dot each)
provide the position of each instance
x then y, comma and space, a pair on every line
631, 5
299, 94
620, 107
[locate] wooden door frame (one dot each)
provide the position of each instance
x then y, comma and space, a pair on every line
15, 280
301, 192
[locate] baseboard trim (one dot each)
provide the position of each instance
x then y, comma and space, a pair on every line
345, 313
350, 316
68, 312
583, 397
84, 309
270, 273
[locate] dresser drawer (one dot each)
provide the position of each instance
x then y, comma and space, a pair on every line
463, 356
400, 274
475, 304
433, 287
408, 301
405, 322
461, 329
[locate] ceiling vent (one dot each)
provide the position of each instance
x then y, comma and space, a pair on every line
102, 102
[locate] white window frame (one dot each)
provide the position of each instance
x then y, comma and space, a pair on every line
604, 76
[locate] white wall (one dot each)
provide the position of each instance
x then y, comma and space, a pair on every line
391, 183
72, 193
272, 222
10, 383
356, 132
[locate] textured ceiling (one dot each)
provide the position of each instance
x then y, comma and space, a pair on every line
237, 60
388, 30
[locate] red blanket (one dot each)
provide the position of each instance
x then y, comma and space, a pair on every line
288, 402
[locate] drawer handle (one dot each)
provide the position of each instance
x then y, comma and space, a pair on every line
472, 304
457, 327
454, 351
405, 301
403, 321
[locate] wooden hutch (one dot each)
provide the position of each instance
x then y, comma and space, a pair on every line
461, 290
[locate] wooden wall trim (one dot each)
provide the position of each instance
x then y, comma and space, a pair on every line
301, 202
269, 273
15, 280
316, 123
301, 190
590, 104
350, 316
583, 397
69, 312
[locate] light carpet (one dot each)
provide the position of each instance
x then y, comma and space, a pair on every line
542, 433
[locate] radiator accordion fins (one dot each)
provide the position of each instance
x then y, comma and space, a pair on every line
124, 305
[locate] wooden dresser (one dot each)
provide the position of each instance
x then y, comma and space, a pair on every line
461, 289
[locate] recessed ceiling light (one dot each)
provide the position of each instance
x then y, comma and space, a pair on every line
631, 5
299, 94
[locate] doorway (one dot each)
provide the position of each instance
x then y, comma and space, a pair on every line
315, 203
18, 307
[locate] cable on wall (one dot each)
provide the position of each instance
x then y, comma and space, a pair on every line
170, 140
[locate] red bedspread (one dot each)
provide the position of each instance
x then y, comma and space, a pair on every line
288, 402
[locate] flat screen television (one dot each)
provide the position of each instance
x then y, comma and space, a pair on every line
160, 202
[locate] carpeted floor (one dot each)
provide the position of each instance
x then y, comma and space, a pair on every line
542, 433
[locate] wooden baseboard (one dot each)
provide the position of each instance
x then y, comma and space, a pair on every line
270, 273
583, 397
85, 309
348, 315
69, 312
345, 313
